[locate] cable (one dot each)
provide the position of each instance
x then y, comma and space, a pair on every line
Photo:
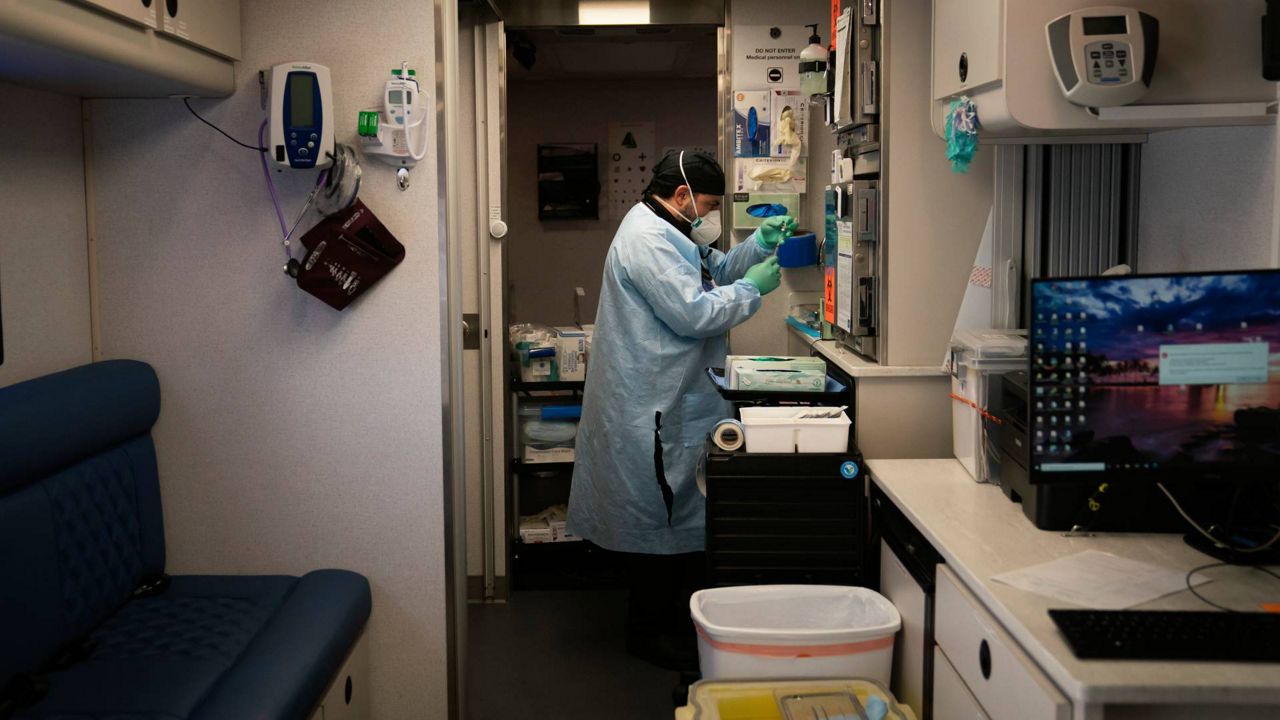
1211, 566
271, 187
187, 101
1217, 543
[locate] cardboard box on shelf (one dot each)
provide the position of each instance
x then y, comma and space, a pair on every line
571, 353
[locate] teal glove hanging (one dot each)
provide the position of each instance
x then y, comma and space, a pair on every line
962, 133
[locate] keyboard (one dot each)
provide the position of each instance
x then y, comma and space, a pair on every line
1170, 635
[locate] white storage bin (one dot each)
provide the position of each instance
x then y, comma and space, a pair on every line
794, 631
780, 430
975, 356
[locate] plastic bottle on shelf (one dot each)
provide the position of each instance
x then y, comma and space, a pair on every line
813, 65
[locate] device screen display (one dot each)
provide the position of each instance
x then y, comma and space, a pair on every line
394, 97
1110, 25
302, 104
1159, 373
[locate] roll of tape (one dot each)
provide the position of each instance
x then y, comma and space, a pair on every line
729, 435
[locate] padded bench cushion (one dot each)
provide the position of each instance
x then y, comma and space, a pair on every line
215, 647
55, 421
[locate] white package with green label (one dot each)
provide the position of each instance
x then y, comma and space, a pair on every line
787, 374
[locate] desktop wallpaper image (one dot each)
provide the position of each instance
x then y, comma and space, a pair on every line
1097, 367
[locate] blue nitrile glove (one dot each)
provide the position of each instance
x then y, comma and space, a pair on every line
766, 276
774, 231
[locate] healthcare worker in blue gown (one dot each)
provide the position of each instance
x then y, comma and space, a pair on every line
666, 303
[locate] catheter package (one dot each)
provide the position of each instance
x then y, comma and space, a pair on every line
347, 253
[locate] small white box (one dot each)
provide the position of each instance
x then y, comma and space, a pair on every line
533, 456
536, 530
538, 370
571, 353
781, 430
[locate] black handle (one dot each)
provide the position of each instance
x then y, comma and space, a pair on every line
984, 659
865, 300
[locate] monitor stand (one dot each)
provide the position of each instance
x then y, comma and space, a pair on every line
1270, 556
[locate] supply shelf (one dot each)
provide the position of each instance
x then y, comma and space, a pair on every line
524, 386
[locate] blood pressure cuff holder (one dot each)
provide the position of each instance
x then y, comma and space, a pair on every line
347, 253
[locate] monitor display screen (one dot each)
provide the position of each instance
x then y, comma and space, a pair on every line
1109, 25
302, 105
1163, 377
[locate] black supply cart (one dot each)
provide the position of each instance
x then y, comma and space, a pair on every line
785, 518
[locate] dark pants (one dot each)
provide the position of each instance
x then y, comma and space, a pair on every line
660, 587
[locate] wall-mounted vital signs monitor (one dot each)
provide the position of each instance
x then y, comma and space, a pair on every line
1104, 56
301, 116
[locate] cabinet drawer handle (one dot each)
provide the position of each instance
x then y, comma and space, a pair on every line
984, 659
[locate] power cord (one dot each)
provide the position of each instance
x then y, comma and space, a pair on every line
1211, 566
187, 101
1217, 543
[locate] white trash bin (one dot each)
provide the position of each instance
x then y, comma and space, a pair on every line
794, 631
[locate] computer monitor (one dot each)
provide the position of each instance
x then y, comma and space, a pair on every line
1155, 377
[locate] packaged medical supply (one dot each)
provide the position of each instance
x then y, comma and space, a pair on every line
534, 348
548, 433
571, 353
548, 526
751, 117
787, 374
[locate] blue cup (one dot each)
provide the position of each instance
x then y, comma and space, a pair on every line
800, 250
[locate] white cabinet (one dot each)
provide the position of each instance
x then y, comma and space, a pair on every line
951, 699
1208, 72
909, 649
210, 24
120, 48
142, 12
348, 695
1003, 679
966, 54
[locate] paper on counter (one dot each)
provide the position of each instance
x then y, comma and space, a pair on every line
1099, 580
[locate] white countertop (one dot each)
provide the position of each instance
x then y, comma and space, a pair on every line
858, 366
981, 533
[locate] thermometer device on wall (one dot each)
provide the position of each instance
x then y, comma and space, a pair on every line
300, 116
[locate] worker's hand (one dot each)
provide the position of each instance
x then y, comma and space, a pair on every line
774, 231
766, 276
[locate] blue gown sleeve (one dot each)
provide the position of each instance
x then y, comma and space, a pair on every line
731, 266
673, 289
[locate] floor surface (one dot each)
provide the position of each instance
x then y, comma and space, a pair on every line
560, 654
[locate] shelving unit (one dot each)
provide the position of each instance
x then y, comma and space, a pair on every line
532, 487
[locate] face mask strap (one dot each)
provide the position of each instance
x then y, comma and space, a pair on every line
692, 199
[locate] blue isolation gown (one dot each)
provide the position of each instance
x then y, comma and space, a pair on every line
658, 328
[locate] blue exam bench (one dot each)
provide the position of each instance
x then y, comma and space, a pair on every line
90, 626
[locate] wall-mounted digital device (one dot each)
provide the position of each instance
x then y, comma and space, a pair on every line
1104, 56
301, 116
397, 133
